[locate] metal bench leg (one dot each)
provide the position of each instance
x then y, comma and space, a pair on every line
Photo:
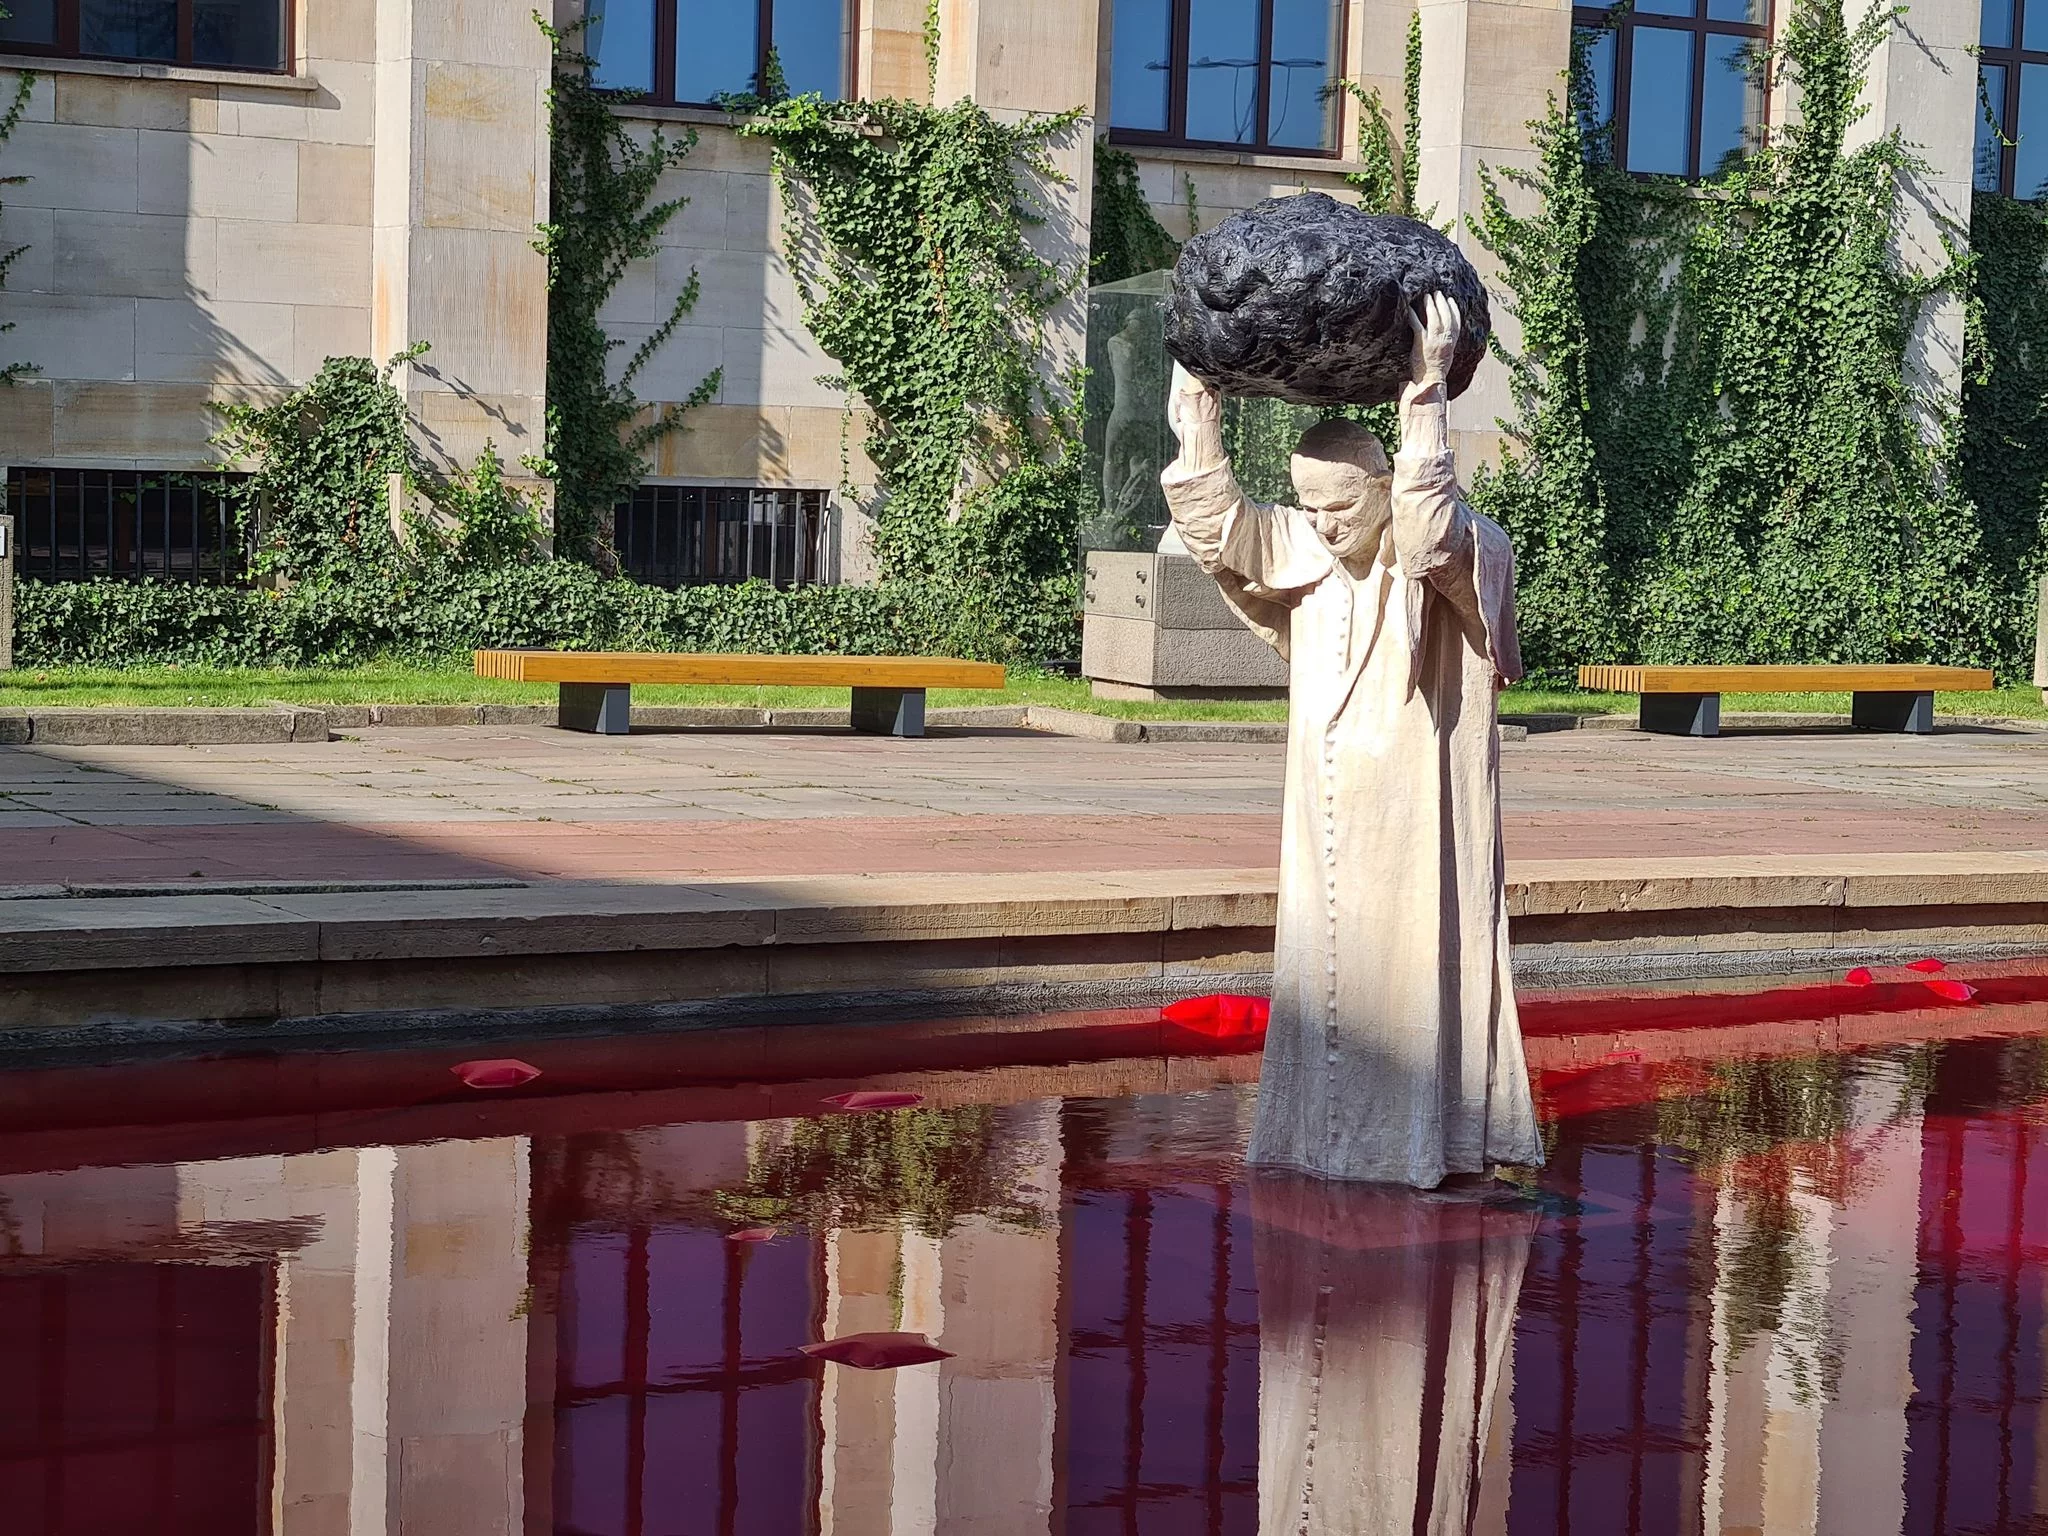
605, 708
1680, 714
889, 711
1912, 713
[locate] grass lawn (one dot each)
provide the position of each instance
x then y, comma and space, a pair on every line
395, 684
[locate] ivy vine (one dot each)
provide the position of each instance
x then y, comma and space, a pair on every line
1125, 238
2004, 467
1386, 181
1719, 454
602, 217
908, 238
10, 119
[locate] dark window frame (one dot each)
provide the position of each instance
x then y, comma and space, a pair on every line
673, 535
1175, 136
1700, 27
131, 511
2008, 125
665, 31
67, 44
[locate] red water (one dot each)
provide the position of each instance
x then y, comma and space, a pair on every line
1761, 1287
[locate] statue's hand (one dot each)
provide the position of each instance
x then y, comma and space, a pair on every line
1191, 404
1436, 339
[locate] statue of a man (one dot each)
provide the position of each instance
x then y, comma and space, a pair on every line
1395, 1052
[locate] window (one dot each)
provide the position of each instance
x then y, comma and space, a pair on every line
693, 535
1680, 80
2012, 75
693, 52
137, 1397
75, 524
218, 34
1256, 73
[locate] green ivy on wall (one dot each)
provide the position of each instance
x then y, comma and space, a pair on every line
602, 218
1386, 183
1125, 238
908, 237
2004, 468
10, 119
1719, 453
339, 496
325, 463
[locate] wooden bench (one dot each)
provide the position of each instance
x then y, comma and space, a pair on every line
1686, 701
597, 686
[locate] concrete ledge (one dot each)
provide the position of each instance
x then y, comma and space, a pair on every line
117, 726
259, 956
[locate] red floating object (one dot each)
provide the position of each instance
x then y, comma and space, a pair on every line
1221, 1014
1928, 966
872, 1099
1954, 991
1860, 977
753, 1235
495, 1074
878, 1351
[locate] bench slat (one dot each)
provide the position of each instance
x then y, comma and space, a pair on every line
763, 671
1778, 679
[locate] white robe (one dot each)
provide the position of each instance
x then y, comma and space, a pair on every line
1395, 1052
1386, 1324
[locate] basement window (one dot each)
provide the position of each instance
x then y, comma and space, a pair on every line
79, 524
697, 535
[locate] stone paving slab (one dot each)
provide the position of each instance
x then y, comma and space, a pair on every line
523, 802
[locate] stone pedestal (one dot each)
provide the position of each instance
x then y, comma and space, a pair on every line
1156, 627
2040, 641
7, 592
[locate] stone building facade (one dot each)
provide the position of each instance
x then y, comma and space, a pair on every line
220, 194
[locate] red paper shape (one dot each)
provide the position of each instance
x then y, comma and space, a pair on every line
504, 1073
1860, 977
873, 1099
1221, 1014
878, 1351
1928, 966
753, 1235
1954, 991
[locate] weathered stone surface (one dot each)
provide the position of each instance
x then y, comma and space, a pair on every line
1307, 299
114, 727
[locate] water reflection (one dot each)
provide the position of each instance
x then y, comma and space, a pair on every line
1795, 1294
1386, 1321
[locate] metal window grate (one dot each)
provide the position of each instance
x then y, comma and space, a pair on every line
695, 535
77, 524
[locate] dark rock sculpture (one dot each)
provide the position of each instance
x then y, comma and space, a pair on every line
1305, 299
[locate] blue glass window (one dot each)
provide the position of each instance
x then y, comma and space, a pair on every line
1257, 73
1308, 36
705, 52
1679, 81
1140, 65
220, 34
33, 21
2012, 82
717, 52
1989, 161
619, 36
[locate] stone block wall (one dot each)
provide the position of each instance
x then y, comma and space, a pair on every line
193, 236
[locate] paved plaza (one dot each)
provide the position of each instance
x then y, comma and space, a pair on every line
531, 803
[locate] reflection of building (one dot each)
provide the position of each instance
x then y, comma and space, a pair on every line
1837, 1333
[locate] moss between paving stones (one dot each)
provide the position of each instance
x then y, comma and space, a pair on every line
175, 687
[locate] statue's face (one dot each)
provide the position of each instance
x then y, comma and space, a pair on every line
1345, 485
1349, 507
